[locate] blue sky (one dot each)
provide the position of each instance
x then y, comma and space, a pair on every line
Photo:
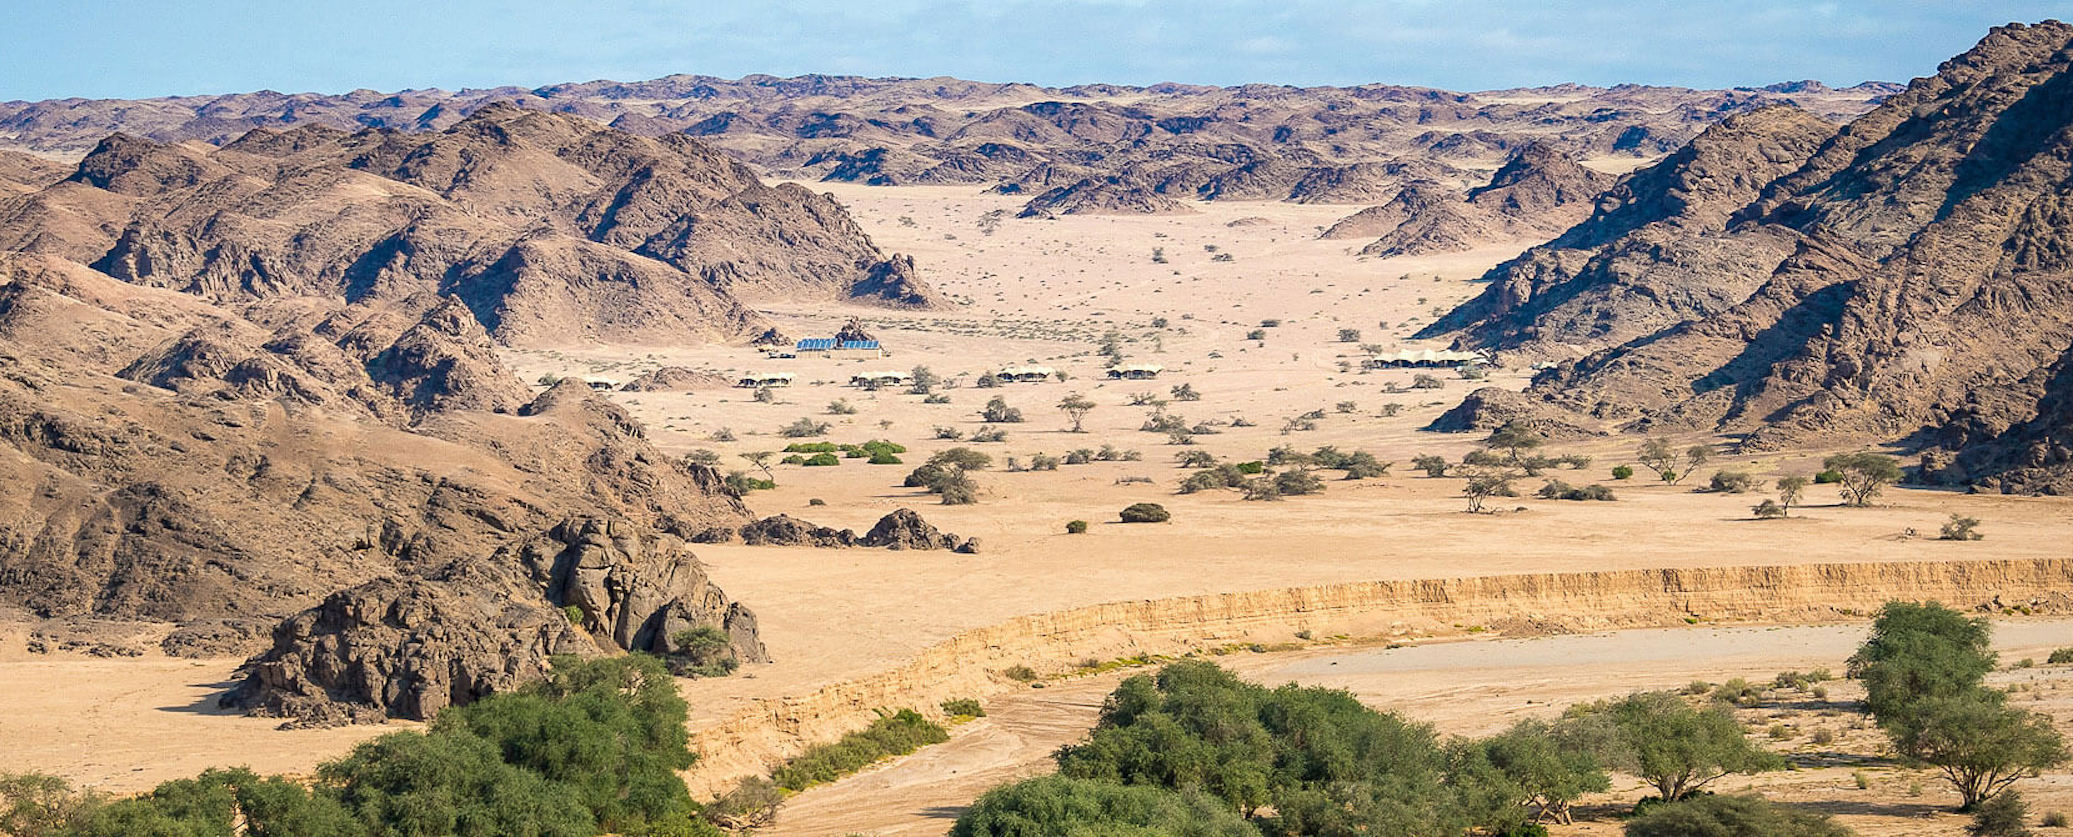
138, 48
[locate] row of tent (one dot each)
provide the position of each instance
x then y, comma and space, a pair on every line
1423, 358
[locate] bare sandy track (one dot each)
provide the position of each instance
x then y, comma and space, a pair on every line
1472, 687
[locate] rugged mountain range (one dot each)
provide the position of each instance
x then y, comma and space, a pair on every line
1111, 148
250, 398
1907, 278
549, 228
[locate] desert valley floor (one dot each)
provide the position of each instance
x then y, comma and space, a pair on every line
1046, 292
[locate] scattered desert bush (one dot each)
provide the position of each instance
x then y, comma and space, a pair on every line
1076, 527
1961, 528
1559, 490
803, 428
1731, 482
1432, 465
990, 433
1145, 513
841, 407
997, 411
936, 398
2060, 656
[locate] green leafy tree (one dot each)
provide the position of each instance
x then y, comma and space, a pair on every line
1674, 746
1917, 652
1529, 773
1980, 744
1864, 475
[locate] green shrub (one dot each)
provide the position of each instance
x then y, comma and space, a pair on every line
811, 447
1622, 472
1019, 673
1060, 805
963, 708
894, 734
2060, 656
1731, 816
821, 460
1828, 477
1145, 513
2001, 815
1076, 527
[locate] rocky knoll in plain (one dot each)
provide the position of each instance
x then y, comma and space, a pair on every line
1921, 292
1535, 194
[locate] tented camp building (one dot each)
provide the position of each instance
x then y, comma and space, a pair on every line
880, 380
1135, 371
1422, 359
1025, 374
758, 380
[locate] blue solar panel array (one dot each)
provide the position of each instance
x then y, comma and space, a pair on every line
859, 344
816, 344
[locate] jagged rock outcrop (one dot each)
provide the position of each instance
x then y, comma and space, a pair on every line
901, 529
1923, 294
785, 530
904, 529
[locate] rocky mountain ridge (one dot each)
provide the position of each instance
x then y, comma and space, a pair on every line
1909, 282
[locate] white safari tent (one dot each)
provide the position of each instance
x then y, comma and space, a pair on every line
1025, 374
765, 379
880, 379
1422, 359
1135, 371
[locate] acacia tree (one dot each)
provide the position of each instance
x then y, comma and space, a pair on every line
1980, 744
1076, 407
760, 459
1482, 487
1515, 439
1790, 490
1669, 743
1658, 456
1865, 474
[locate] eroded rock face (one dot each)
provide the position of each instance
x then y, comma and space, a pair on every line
406, 648
368, 473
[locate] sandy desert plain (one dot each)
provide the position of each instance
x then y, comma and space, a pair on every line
847, 627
